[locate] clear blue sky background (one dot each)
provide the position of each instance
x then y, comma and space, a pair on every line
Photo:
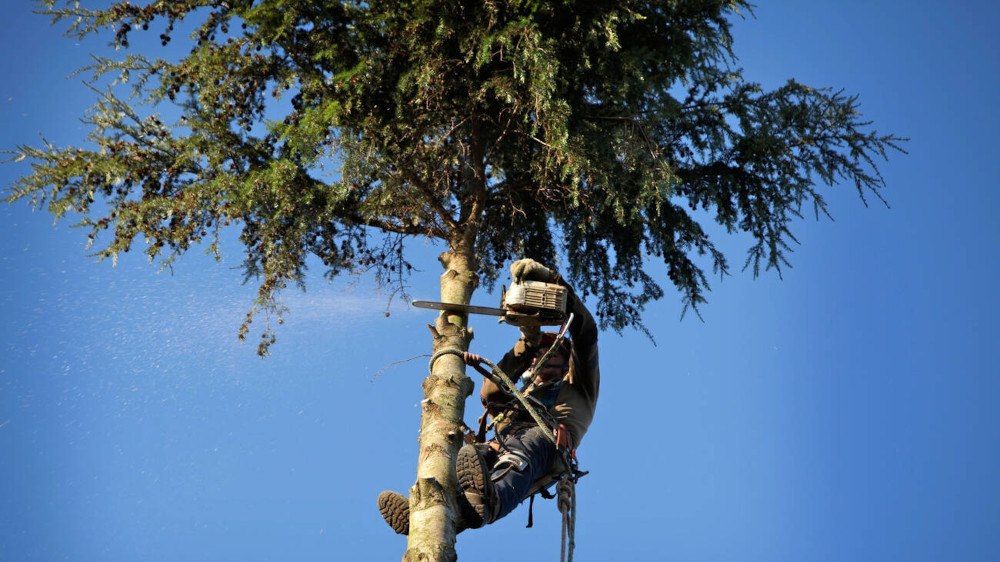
848, 412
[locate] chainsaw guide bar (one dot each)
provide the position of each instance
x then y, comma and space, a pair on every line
463, 308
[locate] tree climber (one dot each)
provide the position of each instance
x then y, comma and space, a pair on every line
494, 477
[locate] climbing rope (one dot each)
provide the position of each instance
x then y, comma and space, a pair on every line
509, 386
566, 494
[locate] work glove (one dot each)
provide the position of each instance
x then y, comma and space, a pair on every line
530, 270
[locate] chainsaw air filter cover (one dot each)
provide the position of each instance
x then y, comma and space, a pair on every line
536, 298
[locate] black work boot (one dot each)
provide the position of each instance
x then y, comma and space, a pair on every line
395, 509
477, 487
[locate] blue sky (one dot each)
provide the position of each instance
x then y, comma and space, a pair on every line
845, 412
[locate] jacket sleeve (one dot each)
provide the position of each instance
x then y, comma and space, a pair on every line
583, 328
584, 331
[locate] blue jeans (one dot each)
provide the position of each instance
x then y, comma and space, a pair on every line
512, 485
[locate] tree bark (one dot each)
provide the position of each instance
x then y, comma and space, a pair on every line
433, 507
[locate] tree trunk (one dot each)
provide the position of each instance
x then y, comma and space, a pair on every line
433, 509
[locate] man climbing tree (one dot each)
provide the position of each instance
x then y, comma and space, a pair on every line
584, 130
535, 439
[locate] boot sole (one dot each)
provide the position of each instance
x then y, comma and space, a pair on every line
395, 509
473, 477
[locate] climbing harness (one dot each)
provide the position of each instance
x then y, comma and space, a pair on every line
566, 486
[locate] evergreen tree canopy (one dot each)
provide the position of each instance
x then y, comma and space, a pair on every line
600, 132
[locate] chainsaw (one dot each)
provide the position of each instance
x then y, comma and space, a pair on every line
526, 303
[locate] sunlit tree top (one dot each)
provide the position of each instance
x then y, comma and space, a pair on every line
595, 134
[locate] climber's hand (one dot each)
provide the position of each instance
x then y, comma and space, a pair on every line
530, 270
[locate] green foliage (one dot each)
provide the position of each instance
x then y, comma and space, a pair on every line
598, 131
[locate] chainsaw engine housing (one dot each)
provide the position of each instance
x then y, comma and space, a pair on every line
534, 303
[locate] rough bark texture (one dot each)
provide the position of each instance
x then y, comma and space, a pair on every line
433, 510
